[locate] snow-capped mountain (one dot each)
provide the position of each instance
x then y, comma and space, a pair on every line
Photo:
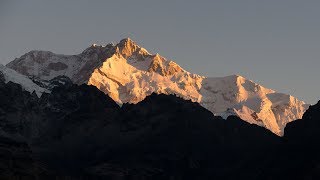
129, 73
7, 75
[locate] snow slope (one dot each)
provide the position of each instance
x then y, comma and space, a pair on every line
235, 95
129, 73
26, 83
47, 65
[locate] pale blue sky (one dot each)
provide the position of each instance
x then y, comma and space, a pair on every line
273, 42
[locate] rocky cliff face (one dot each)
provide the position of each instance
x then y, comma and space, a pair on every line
129, 73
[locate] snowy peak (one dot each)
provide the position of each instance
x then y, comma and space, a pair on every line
128, 73
47, 65
127, 48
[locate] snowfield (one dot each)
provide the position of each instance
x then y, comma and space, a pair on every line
26, 83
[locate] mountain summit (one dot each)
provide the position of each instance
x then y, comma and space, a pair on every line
128, 73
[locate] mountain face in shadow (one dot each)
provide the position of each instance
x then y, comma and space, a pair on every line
80, 133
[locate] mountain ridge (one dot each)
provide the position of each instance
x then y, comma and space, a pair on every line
129, 73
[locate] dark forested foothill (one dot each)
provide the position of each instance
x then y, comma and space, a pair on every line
77, 132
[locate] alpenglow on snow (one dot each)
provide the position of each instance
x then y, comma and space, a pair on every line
128, 73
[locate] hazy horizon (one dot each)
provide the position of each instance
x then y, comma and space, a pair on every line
273, 43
